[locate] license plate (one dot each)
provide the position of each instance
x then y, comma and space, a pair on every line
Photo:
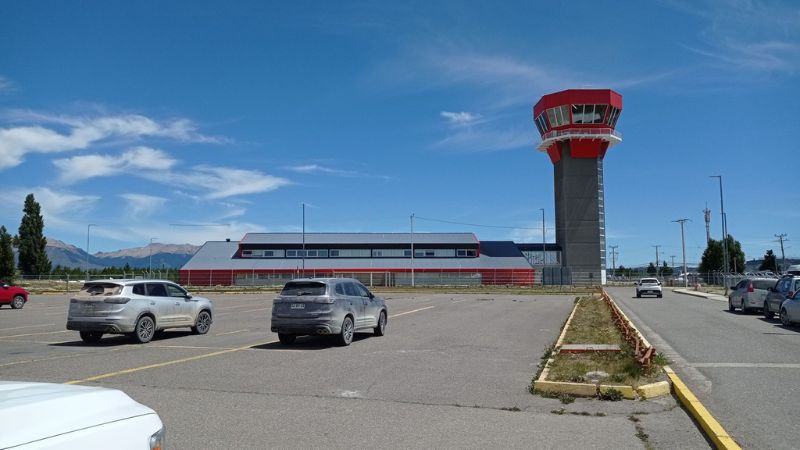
298, 306
87, 307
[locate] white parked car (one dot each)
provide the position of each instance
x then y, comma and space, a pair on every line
648, 286
39, 416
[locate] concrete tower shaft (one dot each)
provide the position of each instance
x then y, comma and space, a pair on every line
577, 129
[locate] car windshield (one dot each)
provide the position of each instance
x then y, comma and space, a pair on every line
304, 288
92, 289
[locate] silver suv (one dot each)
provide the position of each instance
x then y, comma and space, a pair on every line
138, 308
749, 294
327, 306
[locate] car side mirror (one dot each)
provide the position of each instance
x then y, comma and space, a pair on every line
791, 294
5, 286
188, 296
659, 283
371, 295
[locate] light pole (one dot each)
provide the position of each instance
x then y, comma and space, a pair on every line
88, 227
614, 258
150, 264
657, 266
724, 229
683, 247
304, 240
412, 249
544, 251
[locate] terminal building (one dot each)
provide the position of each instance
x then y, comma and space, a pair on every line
376, 259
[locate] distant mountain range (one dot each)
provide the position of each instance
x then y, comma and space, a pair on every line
163, 255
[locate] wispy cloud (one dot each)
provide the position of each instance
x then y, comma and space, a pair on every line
460, 118
320, 169
82, 133
132, 161
752, 35
487, 139
6, 85
58, 207
141, 205
156, 165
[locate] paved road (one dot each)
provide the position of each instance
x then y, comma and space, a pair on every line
445, 376
745, 369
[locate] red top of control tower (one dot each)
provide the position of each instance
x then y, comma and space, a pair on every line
584, 117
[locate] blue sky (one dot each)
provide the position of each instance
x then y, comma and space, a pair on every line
138, 115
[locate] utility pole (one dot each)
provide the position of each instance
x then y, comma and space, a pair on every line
683, 247
150, 264
412, 249
614, 258
88, 227
304, 241
724, 228
657, 267
544, 257
707, 216
673, 263
782, 238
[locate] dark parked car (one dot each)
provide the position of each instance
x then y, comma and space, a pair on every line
785, 288
327, 306
13, 295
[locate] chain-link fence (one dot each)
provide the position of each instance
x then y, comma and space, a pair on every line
71, 283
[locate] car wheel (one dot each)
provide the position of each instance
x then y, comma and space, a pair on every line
286, 339
380, 330
767, 313
744, 308
145, 329
730, 305
18, 302
346, 336
638, 295
91, 337
660, 295
785, 318
203, 323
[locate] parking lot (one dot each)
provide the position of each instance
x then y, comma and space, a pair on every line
452, 371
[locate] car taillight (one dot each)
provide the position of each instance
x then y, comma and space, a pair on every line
116, 300
750, 287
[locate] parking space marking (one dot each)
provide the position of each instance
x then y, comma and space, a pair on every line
168, 363
410, 312
194, 347
247, 311
29, 326
51, 358
232, 332
34, 334
225, 308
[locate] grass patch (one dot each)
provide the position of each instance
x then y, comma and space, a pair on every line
565, 398
592, 323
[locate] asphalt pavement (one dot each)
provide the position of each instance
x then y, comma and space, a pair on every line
744, 368
452, 372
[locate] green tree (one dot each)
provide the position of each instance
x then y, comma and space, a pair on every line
712, 259
32, 257
666, 270
7, 269
769, 262
651, 269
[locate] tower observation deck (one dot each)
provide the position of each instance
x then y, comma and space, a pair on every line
577, 127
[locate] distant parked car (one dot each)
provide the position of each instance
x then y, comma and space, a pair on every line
648, 286
749, 294
786, 287
56, 416
327, 306
138, 308
793, 270
13, 295
790, 310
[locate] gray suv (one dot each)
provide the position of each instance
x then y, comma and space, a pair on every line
138, 308
785, 288
327, 306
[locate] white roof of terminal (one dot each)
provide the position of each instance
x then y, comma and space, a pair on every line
359, 238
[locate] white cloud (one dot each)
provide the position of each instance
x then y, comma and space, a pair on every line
131, 161
58, 207
222, 182
6, 85
140, 205
16, 142
316, 168
488, 140
459, 118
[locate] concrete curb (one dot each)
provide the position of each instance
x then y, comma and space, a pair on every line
715, 297
647, 391
712, 428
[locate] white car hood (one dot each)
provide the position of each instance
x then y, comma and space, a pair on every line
34, 411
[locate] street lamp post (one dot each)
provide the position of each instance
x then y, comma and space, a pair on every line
150, 263
412, 249
683, 247
544, 250
724, 228
88, 227
304, 240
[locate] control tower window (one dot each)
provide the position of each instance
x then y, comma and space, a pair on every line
558, 116
599, 114
588, 113
577, 113
613, 115
541, 124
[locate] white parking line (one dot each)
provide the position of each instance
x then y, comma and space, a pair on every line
247, 311
412, 311
232, 332
34, 334
29, 326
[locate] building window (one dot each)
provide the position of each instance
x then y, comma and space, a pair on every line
466, 253
351, 253
541, 123
558, 116
613, 115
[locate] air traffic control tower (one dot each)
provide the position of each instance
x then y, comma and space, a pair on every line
577, 128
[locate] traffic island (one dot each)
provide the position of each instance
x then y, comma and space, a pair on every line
601, 354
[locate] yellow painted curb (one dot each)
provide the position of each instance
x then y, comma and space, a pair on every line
712, 428
627, 391
654, 389
562, 387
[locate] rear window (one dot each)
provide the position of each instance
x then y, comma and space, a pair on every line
649, 280
763, 284
304, 288
91, 289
